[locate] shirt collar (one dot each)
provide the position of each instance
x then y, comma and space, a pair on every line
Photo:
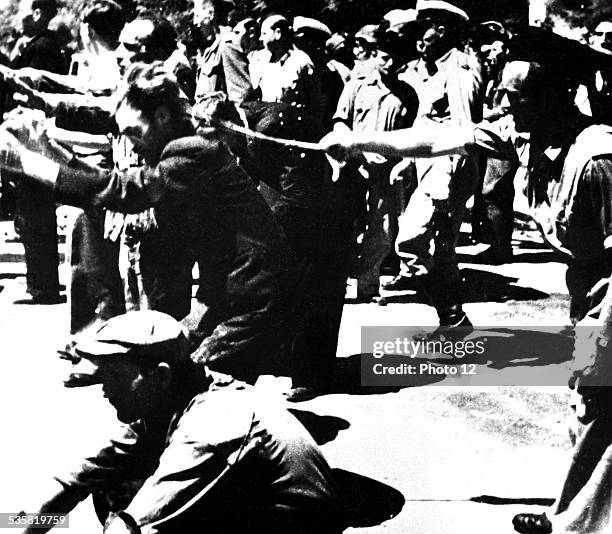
446, 57
374, 79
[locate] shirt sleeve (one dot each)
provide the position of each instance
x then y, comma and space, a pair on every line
129, 191
598, 179
73, 113
493, 139
177, 176
236, 70
125, 457
463, 90
346, 103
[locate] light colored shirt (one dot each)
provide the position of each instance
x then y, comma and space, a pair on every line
449, 90
291, 80
367, 104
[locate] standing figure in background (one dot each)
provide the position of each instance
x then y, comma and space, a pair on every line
35, 219
376, 102
283, 72
224, 65
448, 83
311, 36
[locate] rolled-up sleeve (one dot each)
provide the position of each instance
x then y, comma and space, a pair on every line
493, 139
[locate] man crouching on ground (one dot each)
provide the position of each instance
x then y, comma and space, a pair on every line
213, 459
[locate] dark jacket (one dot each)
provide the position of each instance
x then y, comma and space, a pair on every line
209, 211
42, 52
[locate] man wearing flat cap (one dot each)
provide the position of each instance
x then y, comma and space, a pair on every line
569, 189
198, 456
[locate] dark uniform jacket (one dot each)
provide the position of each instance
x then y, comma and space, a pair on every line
209, 211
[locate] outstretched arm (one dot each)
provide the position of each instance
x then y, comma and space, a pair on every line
422, 142
59, 500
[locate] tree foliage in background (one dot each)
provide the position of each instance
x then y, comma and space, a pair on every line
581, 13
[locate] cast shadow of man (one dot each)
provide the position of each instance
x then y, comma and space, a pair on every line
348, 377
478, 286
323, 428
366, 502
539, 350
523, 347
484, 286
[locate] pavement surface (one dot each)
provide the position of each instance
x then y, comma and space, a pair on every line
438, 456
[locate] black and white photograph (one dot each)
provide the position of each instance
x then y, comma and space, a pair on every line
306, 267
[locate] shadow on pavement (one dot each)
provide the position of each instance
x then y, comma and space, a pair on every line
323, 428
11, 276
518, 347
484, 286
539, 257
348, 378
368, 502
479, 286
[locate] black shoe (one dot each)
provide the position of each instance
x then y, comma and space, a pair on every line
43, 298
403, 283
494, 256
449, 331
304, 393
532, 524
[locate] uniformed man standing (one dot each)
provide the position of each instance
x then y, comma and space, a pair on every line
448, 83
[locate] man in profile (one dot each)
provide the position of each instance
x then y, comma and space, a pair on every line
569, 189
198, 456
206, 209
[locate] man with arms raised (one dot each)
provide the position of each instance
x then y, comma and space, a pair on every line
206, 209
569, 191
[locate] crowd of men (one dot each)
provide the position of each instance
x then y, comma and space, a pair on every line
224, 167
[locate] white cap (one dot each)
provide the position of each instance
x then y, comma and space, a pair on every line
442, 7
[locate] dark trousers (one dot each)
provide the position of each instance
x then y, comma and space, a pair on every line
325, 268
96, 289
323, 278
36, 224
498, 196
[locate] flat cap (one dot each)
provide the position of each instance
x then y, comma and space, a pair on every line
301, 24
154, 334
440, 8
368, 33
